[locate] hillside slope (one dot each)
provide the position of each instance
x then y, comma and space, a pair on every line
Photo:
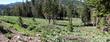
53, 33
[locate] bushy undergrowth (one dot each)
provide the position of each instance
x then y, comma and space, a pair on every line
58, 32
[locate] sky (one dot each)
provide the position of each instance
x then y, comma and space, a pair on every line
9, 1
13, 1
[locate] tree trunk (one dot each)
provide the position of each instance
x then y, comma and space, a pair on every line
53, 18
70, 24
49, 19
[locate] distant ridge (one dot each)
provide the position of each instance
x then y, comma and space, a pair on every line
11, 5
76, 3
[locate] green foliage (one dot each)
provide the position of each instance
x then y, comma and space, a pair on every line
101, 9
102, 22
101, 5
56, 33
6, 11
20, 21
69, 9
50, 9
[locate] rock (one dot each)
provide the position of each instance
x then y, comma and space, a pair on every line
21, 38
106, 29
14, 38
24, 25
3, 38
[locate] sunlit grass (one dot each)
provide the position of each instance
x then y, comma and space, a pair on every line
55, 32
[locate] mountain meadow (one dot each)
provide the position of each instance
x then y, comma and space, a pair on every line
55, 21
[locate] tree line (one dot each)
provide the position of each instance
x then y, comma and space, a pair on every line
57, 9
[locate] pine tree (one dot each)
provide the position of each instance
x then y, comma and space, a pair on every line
69, 9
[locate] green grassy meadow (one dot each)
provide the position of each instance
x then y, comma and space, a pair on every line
55, 33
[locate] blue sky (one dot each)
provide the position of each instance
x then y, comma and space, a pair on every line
9, 1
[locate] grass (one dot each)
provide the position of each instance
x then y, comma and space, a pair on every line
56, 33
